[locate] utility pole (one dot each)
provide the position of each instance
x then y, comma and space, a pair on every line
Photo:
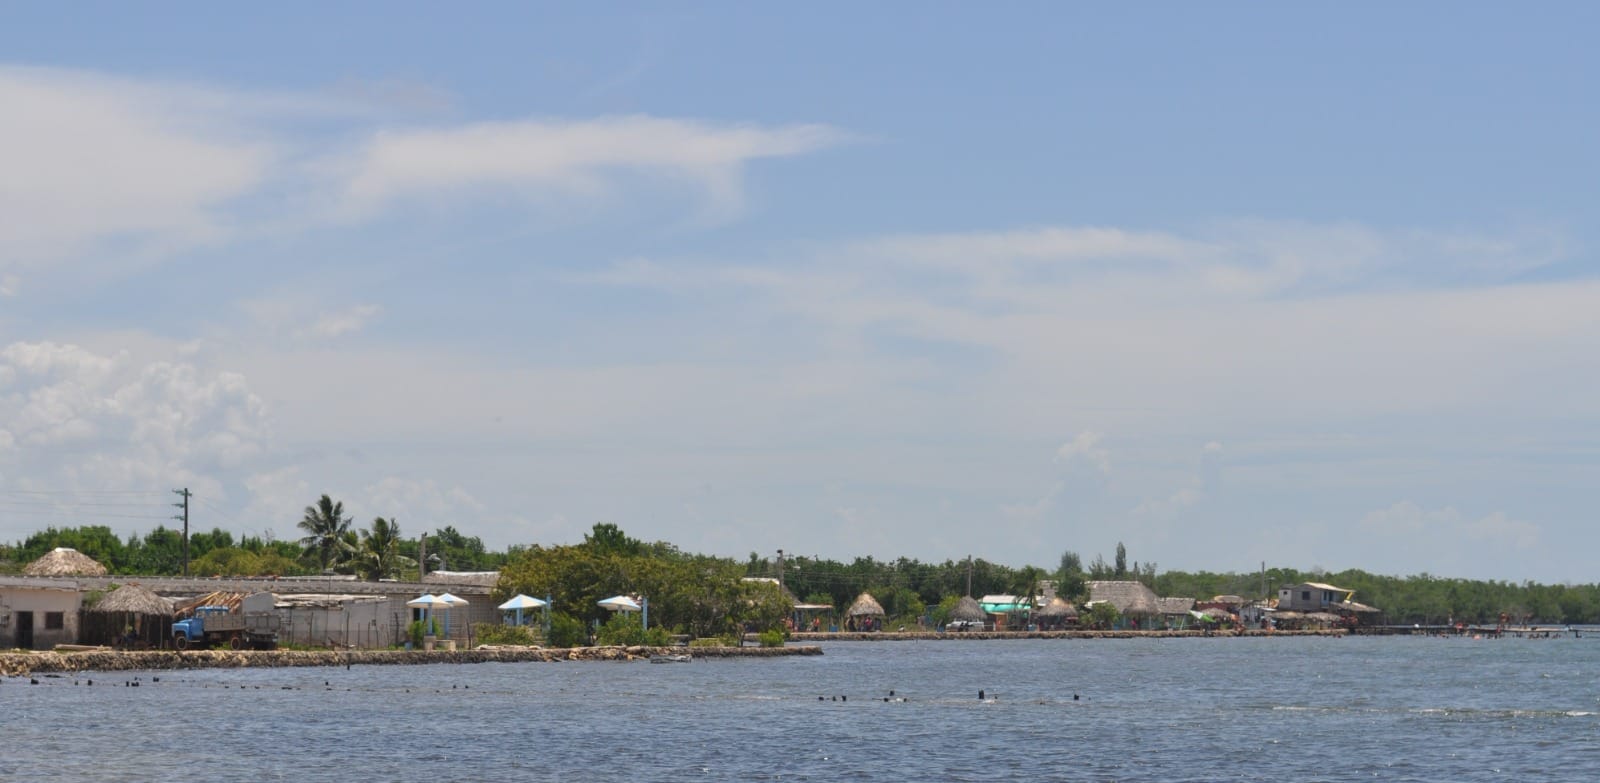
422, 557
780, 569
185, 493
969, 576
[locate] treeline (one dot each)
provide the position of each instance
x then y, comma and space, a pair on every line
907, 588
331, 543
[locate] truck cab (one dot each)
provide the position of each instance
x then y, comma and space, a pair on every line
192, 631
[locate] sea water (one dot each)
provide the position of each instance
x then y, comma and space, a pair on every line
1269, 709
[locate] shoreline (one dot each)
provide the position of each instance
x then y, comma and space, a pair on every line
23, 664
908, 636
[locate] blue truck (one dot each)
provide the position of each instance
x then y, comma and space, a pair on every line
239, 629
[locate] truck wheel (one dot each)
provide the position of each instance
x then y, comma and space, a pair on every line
181, 642
235, 643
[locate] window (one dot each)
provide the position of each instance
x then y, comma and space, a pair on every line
54, 621
1305, 595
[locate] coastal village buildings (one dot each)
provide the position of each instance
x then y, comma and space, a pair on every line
38, 612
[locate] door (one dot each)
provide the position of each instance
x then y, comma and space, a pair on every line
25, 630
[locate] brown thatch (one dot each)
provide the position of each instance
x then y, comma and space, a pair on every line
1175, 606
968, 609
133, 599
1058, 607
1127, 597
865, 605
63, 561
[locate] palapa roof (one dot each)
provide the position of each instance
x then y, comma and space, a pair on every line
1059, 607
64, 561
133, 599
968, 609
1175, 605
865, 604
1229, 599
1352, 606
1128, 597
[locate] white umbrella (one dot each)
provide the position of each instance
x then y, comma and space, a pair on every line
521, 602
620, 603
449, 602
426, 603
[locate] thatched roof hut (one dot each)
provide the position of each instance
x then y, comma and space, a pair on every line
130, 616
865, 605
133, 599
64, 561
1175, 607
968, 609
1127, 597
1059, 607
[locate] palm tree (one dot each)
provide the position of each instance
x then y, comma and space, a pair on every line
1026, 585
326, 527
378, 555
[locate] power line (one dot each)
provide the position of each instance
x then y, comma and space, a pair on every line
90, 492
61, 513
68, 504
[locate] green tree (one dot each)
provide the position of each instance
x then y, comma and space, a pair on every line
377, 556
1102, 616
233, 561
326, 528
1121, 568
607, 538
1070, 581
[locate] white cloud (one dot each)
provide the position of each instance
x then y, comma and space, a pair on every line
1038, 508
420, 504
92, 421
1169, 507
566, 157
91, 159
96, 163
1086, 446
1446, 527
335, 324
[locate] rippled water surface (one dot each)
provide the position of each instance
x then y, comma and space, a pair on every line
1275, 709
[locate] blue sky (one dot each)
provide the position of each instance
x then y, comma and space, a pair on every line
1228, 284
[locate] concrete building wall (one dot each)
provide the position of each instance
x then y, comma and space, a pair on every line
38, 618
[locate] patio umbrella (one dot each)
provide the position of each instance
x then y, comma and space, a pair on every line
450, 601
623, 603
521, 602
427, 603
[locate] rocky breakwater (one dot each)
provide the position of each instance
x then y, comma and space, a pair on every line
913, 636
23, 664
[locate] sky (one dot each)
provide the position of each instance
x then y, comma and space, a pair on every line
1231, 284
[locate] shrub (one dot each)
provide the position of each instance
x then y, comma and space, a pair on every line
715, 641
772, 637
417, 629
566, 631
625, 630
496, 633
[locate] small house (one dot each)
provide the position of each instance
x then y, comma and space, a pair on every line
38, 614
1311, 597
